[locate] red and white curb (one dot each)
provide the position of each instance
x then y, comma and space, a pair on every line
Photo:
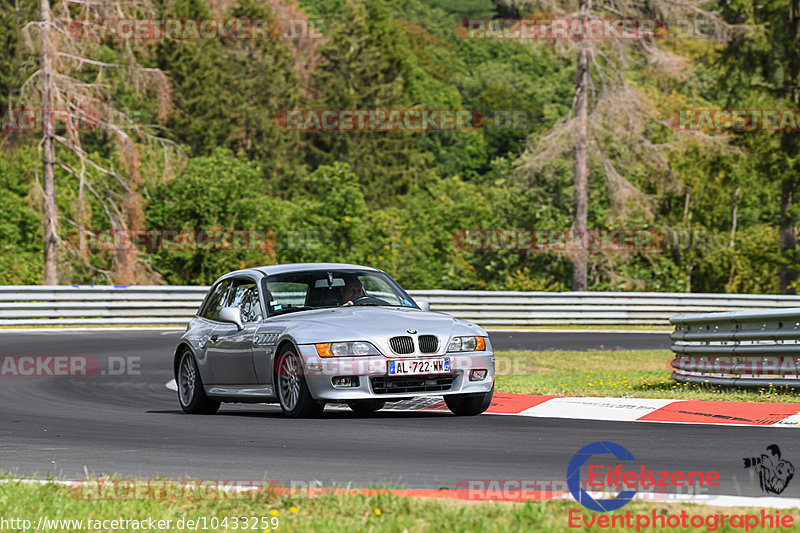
717, 413
724, 413
649, 410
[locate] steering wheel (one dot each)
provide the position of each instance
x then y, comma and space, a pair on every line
369, 300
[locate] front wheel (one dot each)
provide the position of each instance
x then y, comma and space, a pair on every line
293, 394
191, 394
469, 404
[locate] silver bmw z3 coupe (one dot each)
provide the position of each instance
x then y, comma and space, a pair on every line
304, 335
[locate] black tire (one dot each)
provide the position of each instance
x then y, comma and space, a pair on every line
366, 407
469, 404
191, 394
291, 388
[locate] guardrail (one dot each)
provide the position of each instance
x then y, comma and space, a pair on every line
751, 348
501, 308
175, 305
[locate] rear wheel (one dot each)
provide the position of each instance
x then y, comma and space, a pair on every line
293, 394
469, 404
366, 407
191, 394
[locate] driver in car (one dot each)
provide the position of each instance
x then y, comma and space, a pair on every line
353, 290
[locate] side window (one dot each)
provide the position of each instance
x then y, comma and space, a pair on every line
245, 297
216, 301
378, 288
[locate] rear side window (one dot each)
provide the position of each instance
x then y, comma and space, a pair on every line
216, 301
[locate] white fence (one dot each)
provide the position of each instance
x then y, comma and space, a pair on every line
175, 305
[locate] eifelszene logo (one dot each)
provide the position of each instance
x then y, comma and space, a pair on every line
574, 476
774, 473
603, 478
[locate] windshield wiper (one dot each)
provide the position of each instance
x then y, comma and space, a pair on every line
291, 309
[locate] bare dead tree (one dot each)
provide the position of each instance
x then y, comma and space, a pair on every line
65, 83
48, 147
606, 106
580, 180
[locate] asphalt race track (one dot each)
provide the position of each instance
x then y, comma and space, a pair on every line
131, 424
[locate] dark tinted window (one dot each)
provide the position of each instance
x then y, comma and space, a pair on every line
216, 301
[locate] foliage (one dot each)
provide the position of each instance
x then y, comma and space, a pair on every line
21, 260
399, 200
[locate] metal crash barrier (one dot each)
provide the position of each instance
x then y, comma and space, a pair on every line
175, 305
746, 348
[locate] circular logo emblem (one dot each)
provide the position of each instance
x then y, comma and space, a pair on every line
574, 476
412, 331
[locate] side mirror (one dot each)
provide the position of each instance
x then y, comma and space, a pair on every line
232, 315
424, 305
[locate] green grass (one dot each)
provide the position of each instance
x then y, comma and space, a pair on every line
629, 373
332, 512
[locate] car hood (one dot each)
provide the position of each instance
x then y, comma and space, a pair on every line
373, 324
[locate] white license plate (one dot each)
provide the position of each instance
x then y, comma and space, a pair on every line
408, 367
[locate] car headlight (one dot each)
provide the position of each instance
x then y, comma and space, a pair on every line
346, 349
467, 344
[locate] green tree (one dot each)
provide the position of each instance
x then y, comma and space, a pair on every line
209, 195
365, 66
762, 66
228, 92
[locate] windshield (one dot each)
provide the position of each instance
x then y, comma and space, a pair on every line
320, 289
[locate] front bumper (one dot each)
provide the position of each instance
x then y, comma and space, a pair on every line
319, 373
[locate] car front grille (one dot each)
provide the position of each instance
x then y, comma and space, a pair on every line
395, 385
428, 343
402, 344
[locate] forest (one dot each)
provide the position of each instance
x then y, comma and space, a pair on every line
179, 137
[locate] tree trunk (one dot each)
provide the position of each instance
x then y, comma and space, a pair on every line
734, 215
788, 235
506, 9
732, 242
788, 223
48, 148
580, 171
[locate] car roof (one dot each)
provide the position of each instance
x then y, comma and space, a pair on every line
300, 267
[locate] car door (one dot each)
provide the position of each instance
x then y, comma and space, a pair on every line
230, 350
209, 320
276, 296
